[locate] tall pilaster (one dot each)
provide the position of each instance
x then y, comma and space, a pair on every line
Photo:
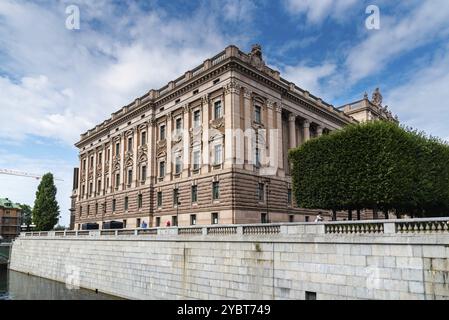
169, 133
280, 147
247, 146
205, 168
186, 141
292, 130
306, 126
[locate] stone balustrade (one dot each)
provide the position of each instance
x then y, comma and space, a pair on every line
367, 227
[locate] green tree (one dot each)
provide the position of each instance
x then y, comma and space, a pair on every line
46, 208
376, 165
27, 214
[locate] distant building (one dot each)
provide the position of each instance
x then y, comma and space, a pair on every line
210, 147
10, 219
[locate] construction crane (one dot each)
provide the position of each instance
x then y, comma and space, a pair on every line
23, 174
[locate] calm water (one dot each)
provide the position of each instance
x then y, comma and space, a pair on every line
19, 286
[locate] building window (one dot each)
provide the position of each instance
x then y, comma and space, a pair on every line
257, 157
257, 114
84, 164
138, 223
96, 208
175, 197
124, 224
84, 189
159, 199
196, 118
289, 197
178, 164
114, 202
217, 154
104, 207
162, 169
117, 180
193, 219
90, 189
174, 221
194, 194
143, 138
217, 110
144, 173
92, 161
196, 160
81, 210
307, 218
158, 221
88, 209
215, 190
263, 218
162, 132
100, 157
130, 144
117, 148
126, 203
99, 186
214, 218
107, 182
140, 201
130, 176
261, 192
178, 125
109, 154
291, 218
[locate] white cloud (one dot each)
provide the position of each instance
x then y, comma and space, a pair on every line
309, 77
67, 81
423, 99
398, 35
316, 11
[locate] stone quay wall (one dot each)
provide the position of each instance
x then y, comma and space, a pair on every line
380, 259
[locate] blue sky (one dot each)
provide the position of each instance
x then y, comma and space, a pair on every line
56, 83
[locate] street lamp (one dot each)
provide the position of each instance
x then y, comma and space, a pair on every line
267, 181
177, 208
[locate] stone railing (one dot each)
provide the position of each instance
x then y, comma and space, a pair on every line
366, 227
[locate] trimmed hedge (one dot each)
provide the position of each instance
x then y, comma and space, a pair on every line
376, 165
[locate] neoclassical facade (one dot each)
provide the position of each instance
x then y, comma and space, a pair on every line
210, 147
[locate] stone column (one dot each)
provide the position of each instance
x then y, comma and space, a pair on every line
94, 177
122, 161
103, 169
152, 156
186, 141
319, 131
247, 145
280, 146
135, 160
306, 126
168, 136
205, 167
231, 101
111, 156
292, 131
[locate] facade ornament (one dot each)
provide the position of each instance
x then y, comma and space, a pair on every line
270, 104
247, 94
278, 108
205, 99
232, 87
255, 57
152, 121
217, 123
291, 117
365, 96
377, 97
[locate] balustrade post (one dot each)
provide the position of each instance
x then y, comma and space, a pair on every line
240, 230
204, 231
389, 227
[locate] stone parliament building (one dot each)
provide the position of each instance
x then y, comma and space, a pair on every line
210, 147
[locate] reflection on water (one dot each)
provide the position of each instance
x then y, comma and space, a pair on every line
18, 286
